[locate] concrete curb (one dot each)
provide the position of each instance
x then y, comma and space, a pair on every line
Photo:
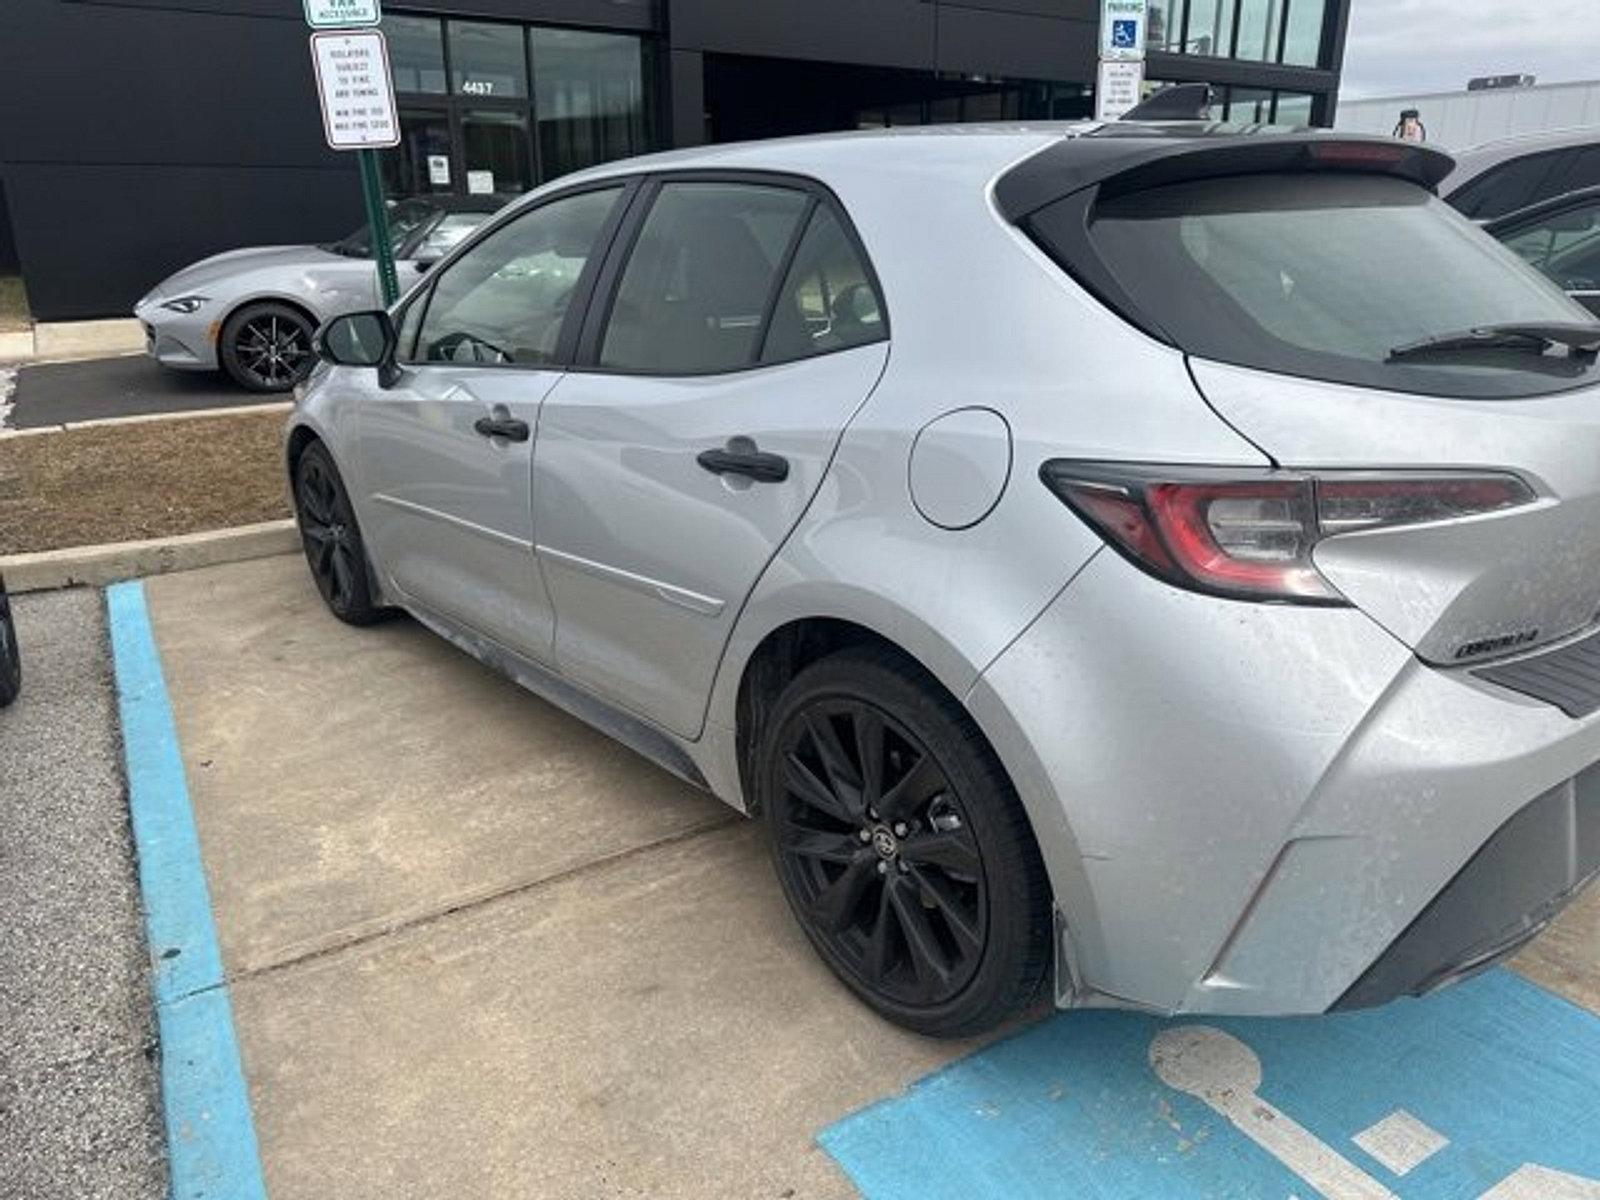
193, 414
68, 341
96, 566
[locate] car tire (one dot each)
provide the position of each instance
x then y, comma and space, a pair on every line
911, 867
332, 539
10, 653
267, 347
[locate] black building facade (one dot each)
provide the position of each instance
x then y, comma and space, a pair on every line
139, 135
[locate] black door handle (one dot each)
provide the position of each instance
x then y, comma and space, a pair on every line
502, 427
737, 459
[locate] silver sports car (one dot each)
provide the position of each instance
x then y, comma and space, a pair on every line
1165, 554
252, 312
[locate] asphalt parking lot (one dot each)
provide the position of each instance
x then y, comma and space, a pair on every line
47, 394
476, 949
79, 1110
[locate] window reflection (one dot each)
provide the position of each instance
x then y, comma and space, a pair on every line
416, 53
488, 126
1302, 46
1287, 31
1294, 108
589, 97
1258, 30
1209, 29
1165, 27
487, 61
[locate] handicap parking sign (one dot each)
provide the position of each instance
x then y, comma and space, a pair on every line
1125, 35
1487, 1091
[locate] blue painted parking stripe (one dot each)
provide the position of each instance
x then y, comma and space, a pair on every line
211, 1137
1487, 1090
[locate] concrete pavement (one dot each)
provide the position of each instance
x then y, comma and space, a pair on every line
79, 1111
478, 950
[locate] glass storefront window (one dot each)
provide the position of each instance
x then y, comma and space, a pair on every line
488, 61
1258, 30
1248, 105
589, 97
1210, 28
420, 164
1303, 45
1165, 27
416, 53
495, 147
1294, 108
1288, 31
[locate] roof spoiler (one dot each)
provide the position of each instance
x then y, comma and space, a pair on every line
1136, 157
1180, 102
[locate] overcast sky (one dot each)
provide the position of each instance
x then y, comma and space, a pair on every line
1400, 47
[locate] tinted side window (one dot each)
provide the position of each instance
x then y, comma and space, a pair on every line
505, 299
1565, 246
695, 290
410, 322
1583, 171
1508, 187
827, 301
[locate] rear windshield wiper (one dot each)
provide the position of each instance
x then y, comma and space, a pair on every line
1533, 335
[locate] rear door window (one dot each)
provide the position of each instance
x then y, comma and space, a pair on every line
693, 297
828, 301
1324, 276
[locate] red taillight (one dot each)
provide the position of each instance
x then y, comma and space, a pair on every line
1252, 536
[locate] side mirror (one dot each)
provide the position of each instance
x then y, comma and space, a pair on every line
362, 339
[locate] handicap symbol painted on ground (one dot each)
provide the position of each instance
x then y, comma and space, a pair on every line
1488, 1091
1225, 1074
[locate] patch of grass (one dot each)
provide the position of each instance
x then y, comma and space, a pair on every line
14, 315
120, 483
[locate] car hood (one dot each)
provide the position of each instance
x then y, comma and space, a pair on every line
219, 268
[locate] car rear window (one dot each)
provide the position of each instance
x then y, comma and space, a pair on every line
1320, 275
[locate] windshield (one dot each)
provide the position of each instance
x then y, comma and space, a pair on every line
405, 219
1323, 275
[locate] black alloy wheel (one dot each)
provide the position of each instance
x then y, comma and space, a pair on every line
331, 538
911, 869
267, 347
10, 654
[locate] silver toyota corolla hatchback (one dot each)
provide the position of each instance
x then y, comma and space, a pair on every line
1164, 556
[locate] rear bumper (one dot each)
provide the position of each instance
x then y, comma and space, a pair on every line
1260, 810
1523, 877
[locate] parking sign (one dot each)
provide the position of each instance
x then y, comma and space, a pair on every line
355, 90
342, 14
1122, 29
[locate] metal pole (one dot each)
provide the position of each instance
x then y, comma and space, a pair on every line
378, 221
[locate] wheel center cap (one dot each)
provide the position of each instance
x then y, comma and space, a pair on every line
885, 843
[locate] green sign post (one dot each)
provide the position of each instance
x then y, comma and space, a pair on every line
356, 93
378, 218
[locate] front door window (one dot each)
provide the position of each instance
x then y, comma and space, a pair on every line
504, 301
